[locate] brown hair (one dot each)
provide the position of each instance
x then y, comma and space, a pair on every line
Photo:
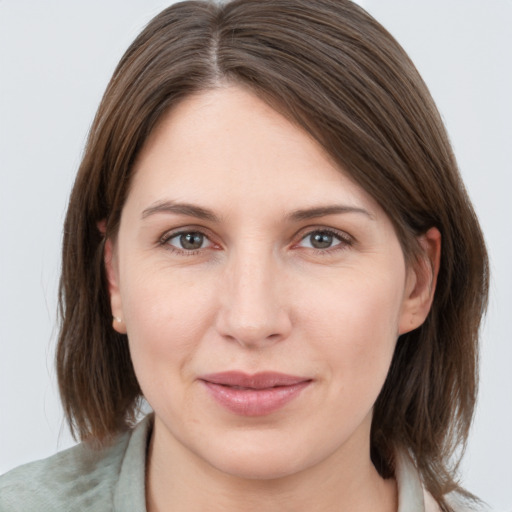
337, 73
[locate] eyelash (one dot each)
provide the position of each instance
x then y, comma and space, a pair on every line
344, 240
164, 241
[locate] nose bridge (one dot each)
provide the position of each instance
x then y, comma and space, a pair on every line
253, 306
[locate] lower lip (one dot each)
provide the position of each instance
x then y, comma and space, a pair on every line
254, 402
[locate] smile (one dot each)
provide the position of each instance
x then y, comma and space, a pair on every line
254, 395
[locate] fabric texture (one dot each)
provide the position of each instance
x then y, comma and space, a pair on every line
82, 479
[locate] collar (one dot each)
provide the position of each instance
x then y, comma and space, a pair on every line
130, 490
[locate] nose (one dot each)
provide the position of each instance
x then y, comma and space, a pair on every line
255, 309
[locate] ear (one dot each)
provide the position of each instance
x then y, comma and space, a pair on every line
112, 274
421, 282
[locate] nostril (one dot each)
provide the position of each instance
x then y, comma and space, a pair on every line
252, 316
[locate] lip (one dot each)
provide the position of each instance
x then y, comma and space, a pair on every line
254, 395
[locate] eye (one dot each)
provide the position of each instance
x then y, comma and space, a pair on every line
188, 241
324, 239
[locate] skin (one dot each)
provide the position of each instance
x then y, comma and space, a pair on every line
257, 295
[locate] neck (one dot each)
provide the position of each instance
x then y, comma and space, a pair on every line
180, 481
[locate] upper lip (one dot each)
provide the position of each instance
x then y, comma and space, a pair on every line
261, 380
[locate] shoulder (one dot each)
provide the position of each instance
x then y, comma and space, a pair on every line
78, 479
461, 504
456, 503
412, 495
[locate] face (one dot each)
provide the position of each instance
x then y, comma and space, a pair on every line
262, 291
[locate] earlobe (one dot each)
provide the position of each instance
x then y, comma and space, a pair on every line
421, 282
112, 274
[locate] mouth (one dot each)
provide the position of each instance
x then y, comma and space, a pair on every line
259, 394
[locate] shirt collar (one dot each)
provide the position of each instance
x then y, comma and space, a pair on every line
130, 490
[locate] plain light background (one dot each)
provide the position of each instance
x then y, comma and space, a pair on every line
56, 58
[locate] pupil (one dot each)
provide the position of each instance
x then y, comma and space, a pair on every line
191, 240
321, 240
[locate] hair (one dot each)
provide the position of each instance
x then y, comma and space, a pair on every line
338, 74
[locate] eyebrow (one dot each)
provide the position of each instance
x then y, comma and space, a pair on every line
187, 209
322, 211
191, 210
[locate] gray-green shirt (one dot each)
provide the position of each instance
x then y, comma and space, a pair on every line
82, 479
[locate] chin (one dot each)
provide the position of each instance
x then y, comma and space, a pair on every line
262, 459
259, 467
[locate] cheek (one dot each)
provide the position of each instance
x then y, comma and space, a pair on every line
167, 314
356, 303
355, 324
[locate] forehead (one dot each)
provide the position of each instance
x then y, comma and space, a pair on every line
229, 143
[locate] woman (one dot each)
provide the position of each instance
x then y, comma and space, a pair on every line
269, 241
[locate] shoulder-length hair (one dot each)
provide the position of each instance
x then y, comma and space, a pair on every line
337, 73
